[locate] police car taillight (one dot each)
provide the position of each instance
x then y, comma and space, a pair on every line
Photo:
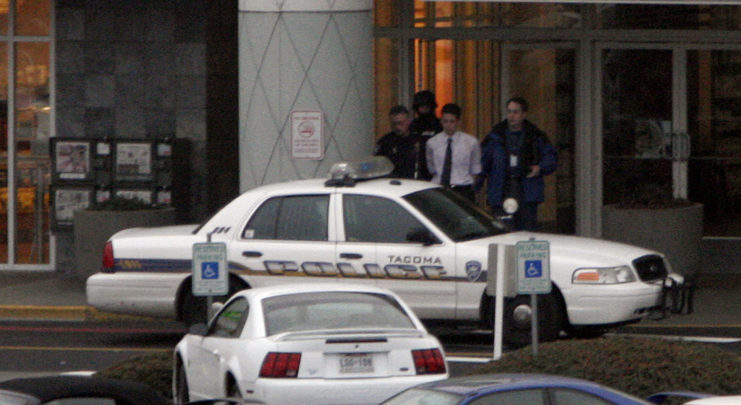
348, 172
280, 365
108, 258
428, 361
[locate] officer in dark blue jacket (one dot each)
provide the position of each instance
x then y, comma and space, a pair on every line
515, 157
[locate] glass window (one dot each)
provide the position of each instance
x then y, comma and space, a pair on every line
714, 119
418, 396
573, 397
693, 17
496, 14
530, 397
455, 215
231, 319
386, 13
375, 219
637, 113
32, 17
290, 218
333, 310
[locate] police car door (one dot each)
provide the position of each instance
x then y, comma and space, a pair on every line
381, 240
285, 238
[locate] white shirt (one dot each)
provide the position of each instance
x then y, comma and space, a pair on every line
466, 157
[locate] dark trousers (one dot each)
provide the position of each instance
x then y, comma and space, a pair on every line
465, 191
526, 218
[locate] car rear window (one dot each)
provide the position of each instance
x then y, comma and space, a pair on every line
333, 311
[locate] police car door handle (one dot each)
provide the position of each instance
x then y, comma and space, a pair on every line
351, 255
248, 253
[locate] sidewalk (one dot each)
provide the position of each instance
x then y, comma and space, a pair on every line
60, 296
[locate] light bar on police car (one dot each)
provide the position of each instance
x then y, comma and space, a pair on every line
370, 168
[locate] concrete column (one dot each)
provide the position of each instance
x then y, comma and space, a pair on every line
303, 55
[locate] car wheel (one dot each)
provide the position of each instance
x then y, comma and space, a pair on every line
181, 386
193, 309
518, 319
232, 389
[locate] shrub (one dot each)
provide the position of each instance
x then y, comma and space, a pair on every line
153, 369
640, 366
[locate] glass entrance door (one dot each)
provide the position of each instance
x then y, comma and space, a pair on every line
638, 118
714, 118
545, 75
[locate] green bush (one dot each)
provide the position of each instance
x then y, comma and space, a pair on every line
640, 366
153, 369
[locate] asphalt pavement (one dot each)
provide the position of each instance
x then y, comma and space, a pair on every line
26, 295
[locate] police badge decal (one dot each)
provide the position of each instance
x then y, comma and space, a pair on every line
473, 270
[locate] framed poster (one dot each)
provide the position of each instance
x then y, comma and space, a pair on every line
71, 159
132, 161
66, 200
143, 194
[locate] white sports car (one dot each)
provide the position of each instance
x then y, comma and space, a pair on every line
307, 344
422, 241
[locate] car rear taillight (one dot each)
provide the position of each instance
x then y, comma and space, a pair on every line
108, 258
428, 361
280, 365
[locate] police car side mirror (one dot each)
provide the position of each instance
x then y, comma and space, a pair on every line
423, 236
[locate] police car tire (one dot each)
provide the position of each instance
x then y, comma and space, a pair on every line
517, 333
181, 385
193, 309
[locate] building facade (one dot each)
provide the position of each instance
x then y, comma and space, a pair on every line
630, 94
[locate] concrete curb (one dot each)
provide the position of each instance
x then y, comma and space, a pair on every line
61, 313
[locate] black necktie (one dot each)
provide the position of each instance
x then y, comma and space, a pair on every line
445, 177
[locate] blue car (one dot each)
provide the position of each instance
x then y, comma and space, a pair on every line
513, 389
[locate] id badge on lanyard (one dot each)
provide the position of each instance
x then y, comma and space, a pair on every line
512, 160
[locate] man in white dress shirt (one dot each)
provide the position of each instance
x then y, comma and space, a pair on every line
454, 157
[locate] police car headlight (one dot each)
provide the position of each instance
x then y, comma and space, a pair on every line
605, 275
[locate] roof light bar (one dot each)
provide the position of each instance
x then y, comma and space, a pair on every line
346, 173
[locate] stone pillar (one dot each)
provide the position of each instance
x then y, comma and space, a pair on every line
303, 55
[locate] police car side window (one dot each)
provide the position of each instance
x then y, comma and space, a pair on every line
301, 217
376, 219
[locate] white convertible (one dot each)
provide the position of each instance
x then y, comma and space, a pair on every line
422, 241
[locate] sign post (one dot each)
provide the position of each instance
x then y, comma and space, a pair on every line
533, 277
210, 272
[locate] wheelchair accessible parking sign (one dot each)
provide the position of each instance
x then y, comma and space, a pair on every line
210, 273
533, 267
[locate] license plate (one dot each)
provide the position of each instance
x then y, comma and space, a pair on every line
356, 363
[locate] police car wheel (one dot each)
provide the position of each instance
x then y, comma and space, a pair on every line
518, 318
193, 309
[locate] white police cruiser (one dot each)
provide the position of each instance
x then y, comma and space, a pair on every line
418, 239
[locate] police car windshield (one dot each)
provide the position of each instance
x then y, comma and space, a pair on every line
457, 217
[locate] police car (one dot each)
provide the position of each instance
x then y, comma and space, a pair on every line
420, 240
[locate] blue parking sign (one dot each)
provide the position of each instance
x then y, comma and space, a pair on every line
533, 268
210, 270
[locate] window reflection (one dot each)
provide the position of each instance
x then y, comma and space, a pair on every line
697, 17
32, 17
488, 14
